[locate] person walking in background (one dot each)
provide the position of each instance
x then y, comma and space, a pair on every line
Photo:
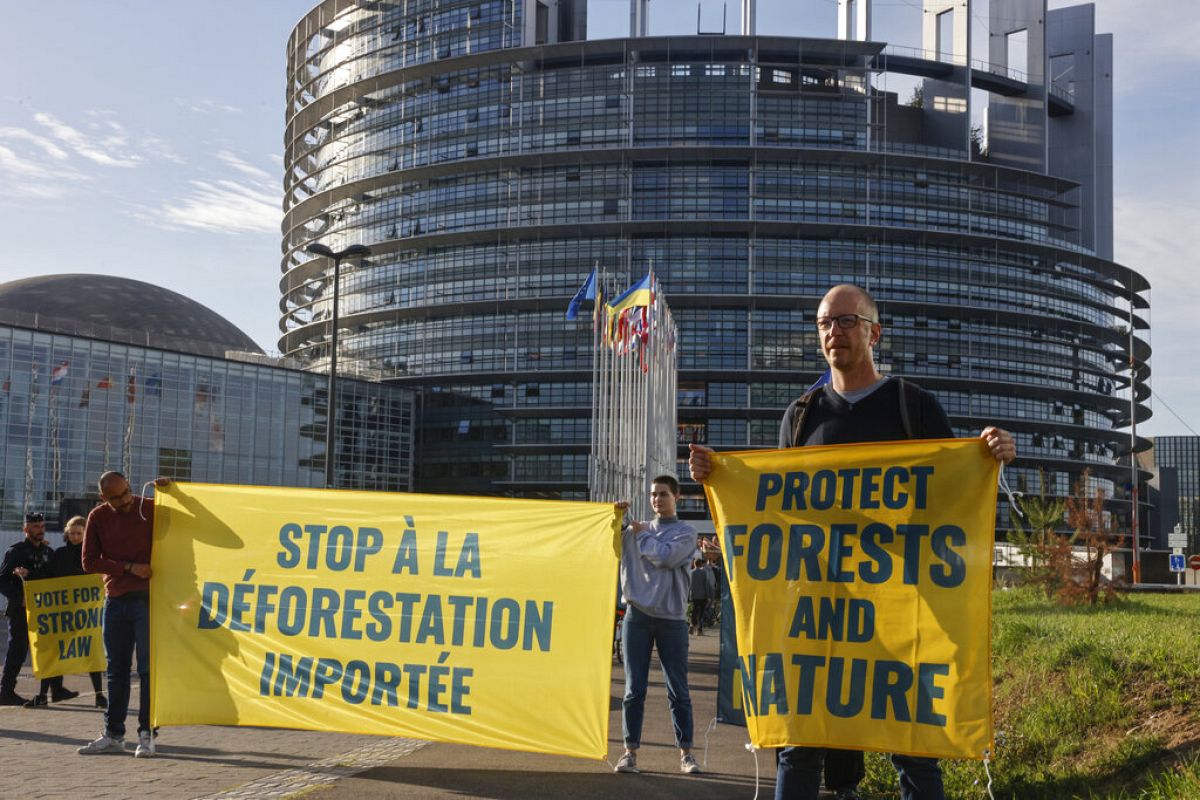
68, 561
704, 588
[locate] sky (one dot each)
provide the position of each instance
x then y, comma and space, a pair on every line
143, 138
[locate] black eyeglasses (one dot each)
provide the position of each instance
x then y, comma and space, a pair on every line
844, 321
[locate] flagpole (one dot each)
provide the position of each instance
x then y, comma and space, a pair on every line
33, 393
131, 401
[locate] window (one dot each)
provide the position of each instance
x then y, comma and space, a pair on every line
1062, 72
944, 44
1017, 53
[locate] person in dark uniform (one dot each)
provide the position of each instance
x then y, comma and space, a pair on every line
27, 560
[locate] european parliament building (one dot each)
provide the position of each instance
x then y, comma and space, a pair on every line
105, 373
490, 155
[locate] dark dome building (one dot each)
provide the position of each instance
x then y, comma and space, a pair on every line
105, 306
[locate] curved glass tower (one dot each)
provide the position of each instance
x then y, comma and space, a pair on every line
488, 174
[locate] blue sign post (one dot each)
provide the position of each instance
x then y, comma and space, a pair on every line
1178, 562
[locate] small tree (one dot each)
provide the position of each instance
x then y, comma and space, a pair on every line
1095, 532
1037, 543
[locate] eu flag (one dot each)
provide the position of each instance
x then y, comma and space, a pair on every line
586, 292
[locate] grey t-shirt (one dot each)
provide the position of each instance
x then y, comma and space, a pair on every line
656, 568
859, 394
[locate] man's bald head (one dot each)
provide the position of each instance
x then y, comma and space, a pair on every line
115, 490
867, 306
112, 478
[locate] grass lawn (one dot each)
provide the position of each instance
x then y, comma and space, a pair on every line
1099, 702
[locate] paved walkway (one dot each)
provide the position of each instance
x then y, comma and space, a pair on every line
217, 762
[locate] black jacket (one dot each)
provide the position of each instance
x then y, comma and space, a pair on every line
38, 560
68, 560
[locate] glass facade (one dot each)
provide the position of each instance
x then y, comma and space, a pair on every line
1183, 453
752, 173
73, 407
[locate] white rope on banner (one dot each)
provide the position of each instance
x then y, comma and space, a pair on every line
1012, 496
711, 727
754, 751
145, 486
987, 758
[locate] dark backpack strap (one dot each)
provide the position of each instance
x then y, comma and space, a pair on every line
802, 405
910, 410
905, 417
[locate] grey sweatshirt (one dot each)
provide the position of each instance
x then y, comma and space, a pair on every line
656, 567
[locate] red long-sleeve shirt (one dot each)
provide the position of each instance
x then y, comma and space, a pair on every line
112, 540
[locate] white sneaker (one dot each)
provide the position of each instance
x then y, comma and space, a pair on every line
627, 763
145, 745
105, 744
688, 765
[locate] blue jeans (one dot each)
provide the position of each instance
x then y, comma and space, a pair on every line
799, 775
126, 630
642, 633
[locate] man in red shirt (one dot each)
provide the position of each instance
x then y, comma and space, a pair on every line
116, 543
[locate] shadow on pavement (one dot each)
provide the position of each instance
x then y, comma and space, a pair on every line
45, 738
510, 785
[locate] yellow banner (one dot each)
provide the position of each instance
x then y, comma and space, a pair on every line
66, 618
861, 580
484, 621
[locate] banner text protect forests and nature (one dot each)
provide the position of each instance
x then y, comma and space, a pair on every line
455, 619
861, 579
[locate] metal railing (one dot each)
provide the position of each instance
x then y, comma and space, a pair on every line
1002, 71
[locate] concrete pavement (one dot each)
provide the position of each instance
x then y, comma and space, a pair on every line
218, 762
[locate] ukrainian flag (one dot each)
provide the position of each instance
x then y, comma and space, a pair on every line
640, 294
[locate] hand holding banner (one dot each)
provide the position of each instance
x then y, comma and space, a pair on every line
482, 621
861, 583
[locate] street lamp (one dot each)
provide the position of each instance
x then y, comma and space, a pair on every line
353, 250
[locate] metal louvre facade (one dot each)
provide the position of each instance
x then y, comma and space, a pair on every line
752, 173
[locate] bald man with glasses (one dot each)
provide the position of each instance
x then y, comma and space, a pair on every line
857, 404
116, 544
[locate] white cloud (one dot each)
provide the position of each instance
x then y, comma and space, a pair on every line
47, 146
207, 106
160, 148
241, 166
110, 151
24, 178
248, 201
221, 206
